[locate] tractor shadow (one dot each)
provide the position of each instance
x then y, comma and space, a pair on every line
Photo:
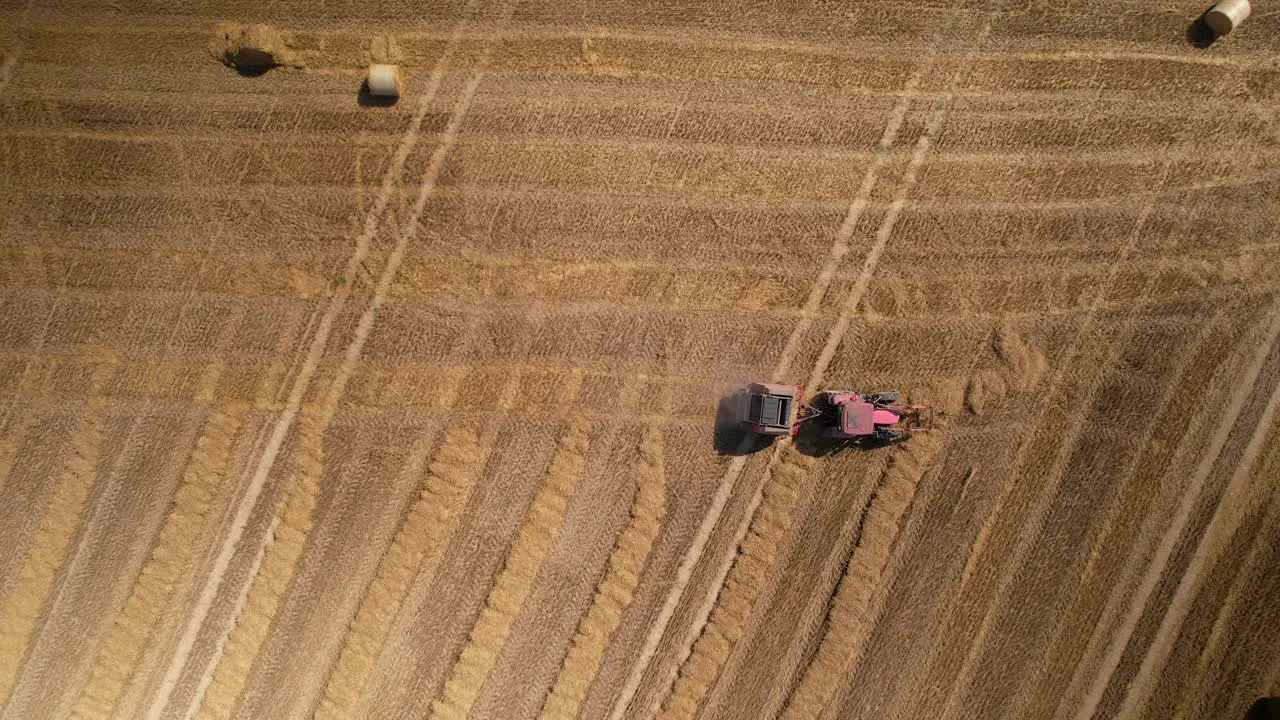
732, 436
366, 98
811, 441
1199, 34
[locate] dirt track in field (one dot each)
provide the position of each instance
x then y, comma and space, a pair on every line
312, 409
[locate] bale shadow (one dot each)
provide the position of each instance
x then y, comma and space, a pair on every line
1267, 708
732, 436
248, 62
366, 98
1199, 34
251, 71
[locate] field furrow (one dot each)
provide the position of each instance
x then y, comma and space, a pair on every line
133, 629
615, 591
430, 520
58, 526
320, 404
517, 578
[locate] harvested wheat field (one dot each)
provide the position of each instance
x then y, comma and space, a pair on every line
315, 407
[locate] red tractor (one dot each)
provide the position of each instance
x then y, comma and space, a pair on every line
877, 417
874, 418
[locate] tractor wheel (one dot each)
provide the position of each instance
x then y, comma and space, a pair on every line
883, 398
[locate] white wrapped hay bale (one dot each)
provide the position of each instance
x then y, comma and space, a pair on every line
1226, 15
384, 81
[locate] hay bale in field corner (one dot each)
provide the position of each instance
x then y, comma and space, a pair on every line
252, 49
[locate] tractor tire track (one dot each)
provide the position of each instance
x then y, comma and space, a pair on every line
1241, 493
1042, 502
1261, 557
1157, 565
1032, 692
250, 628
698, 546
849, 309
974, 562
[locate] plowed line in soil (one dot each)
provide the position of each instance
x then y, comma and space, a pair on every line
71, 251
1241, 491
1034, 522
1261, 555
1171, 391
211, 134
617, 588
694, 198
257, 481
429, 523
1164, 552
36, 586
655, 152
688, 305
850, 98
698, 545
132, 630
701, 39
588, 195
525, 142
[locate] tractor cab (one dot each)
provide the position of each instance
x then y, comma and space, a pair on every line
876, 417
858, 418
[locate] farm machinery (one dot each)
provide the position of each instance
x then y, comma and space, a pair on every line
842, 415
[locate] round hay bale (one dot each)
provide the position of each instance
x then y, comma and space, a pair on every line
251, 49
384, 81
1226, 15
